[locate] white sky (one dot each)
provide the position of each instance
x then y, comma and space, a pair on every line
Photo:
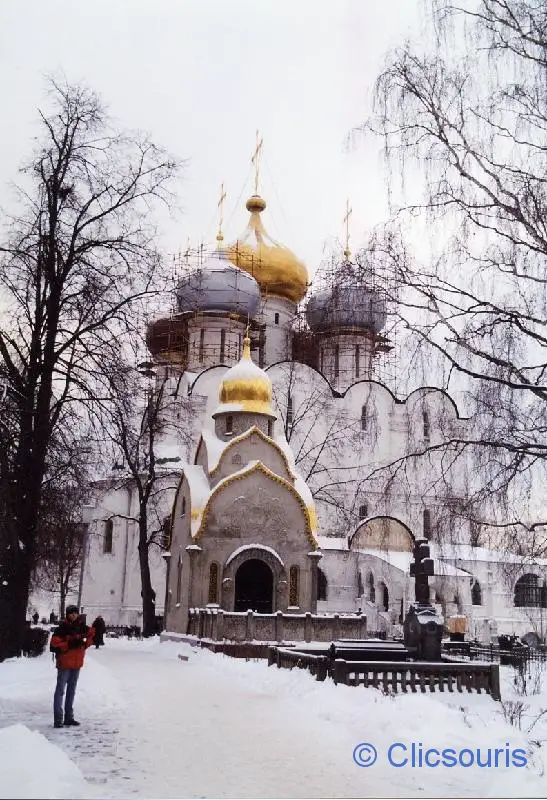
201, 76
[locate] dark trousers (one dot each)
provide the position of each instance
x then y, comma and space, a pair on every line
66, 679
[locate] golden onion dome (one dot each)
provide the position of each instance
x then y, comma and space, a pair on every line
276, 268
245, 387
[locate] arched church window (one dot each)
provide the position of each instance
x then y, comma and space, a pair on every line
179, 580
236, 458
213, 583
276, 318
108, 536
293, 585
364, 418
371, 588
166, 533
426, 425
290, 417
360, 587
229, 424
183, 507
528, 592
270, 427
357, 360
222, 345
336, 361
385, 597
201, 344
322, 585
426, 528
476, 594
363, 511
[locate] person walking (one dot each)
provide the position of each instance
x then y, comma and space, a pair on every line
99, 627
69, 642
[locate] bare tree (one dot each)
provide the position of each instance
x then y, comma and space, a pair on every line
150, 431
77, 260
60, 541
321, 433
464, 126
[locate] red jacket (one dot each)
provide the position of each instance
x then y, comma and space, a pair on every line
69, 642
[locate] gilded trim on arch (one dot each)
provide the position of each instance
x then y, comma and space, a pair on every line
258, 467
247, 435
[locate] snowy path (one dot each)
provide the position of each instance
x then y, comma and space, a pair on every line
219, 738
156, 726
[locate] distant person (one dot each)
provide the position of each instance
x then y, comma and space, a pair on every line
99, 628
69, 643
52, 618
35, 617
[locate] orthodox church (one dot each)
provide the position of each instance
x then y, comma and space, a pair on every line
276, 499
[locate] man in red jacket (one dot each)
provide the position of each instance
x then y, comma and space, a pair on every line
69, 643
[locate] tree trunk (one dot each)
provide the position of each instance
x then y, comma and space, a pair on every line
147, 592
14, 591
18, 559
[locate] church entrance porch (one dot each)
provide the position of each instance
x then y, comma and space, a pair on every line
254, 587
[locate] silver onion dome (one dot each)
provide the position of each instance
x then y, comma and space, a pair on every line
347, 304
218, 286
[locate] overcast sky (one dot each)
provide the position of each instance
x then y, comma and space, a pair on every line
201, 76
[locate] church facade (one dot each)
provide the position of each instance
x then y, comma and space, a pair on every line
297, 491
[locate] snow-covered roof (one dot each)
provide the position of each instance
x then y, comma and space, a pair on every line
200, 490
465, 552
332, 543
247, 370
401, 559
168, 456
214, 448
228, 408
299, 483
285, 447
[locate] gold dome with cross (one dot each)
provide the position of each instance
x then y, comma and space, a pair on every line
277, 270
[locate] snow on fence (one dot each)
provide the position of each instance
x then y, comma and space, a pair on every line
248, 626
390, 676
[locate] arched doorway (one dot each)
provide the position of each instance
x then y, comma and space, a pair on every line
254, 587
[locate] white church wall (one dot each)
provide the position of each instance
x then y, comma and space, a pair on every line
112, 583
277, 315
339, 569
497, 574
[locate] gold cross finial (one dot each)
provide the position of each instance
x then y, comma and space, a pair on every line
347, 251
220, 205
256, 158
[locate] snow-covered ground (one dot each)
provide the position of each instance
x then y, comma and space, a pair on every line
155, 726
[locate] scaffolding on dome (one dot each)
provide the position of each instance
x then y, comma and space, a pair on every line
337, 274
168, 335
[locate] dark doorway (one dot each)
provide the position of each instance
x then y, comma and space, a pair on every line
254, 587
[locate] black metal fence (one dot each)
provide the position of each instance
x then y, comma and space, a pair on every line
470, 651
129, 631
394, 677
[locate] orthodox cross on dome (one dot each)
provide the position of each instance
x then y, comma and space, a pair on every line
349, 211
220, 206
187, 253
255, 160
